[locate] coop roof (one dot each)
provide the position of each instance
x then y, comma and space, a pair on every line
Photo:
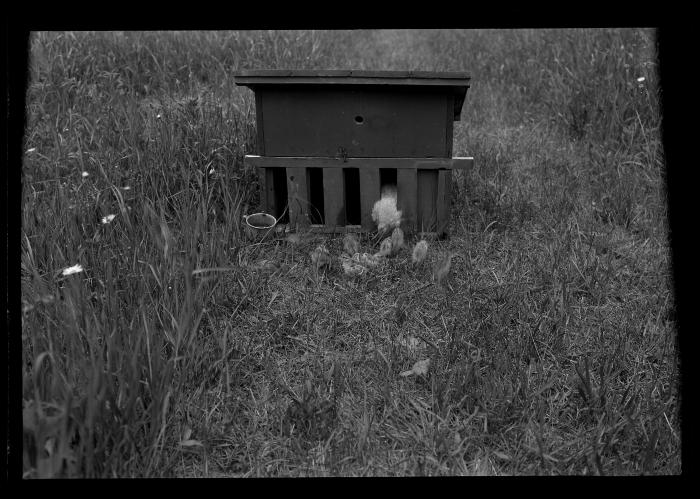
456, 82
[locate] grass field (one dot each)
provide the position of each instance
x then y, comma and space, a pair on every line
552, 344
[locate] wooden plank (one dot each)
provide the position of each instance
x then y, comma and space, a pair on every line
450, 127
369, 194
308, 122
458, 163
427, 200
333, 197
252, 81
380, 74
244, 73
264, 187
343, 77
438, 83
267, 198
439, 74
444, 202
298, 197
407, 192
322, 229
262, 181
270, 197
259, 122
456, 83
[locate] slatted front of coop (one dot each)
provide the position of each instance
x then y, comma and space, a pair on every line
330, 142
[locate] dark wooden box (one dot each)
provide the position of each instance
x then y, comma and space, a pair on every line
329, 140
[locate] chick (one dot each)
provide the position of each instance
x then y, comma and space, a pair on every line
442, 268
396, 240
420, 251
366, 259
351, 267
385, 213
385, 248
420, 368
350, 244
265, 265
320, 257
293, 239
388, 191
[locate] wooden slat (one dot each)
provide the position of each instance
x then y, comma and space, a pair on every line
369, 194
407, 190
344, 77
267, 197
259, 120
333, 197
298, 197
461, 83
271, 197
427, 200
264, 177
449, 129
245, 73
262, 180
459, 163
444, 191
322, 229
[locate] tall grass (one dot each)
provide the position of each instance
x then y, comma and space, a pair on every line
566, 141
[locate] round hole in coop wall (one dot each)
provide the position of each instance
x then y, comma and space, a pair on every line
359, 120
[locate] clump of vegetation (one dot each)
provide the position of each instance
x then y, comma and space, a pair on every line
178, 348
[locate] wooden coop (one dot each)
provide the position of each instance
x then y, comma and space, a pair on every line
329, 142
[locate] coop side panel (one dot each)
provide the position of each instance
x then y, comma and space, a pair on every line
364, 122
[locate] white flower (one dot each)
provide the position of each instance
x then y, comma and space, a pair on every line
75, 269
108, 219
641, 79
85, 174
